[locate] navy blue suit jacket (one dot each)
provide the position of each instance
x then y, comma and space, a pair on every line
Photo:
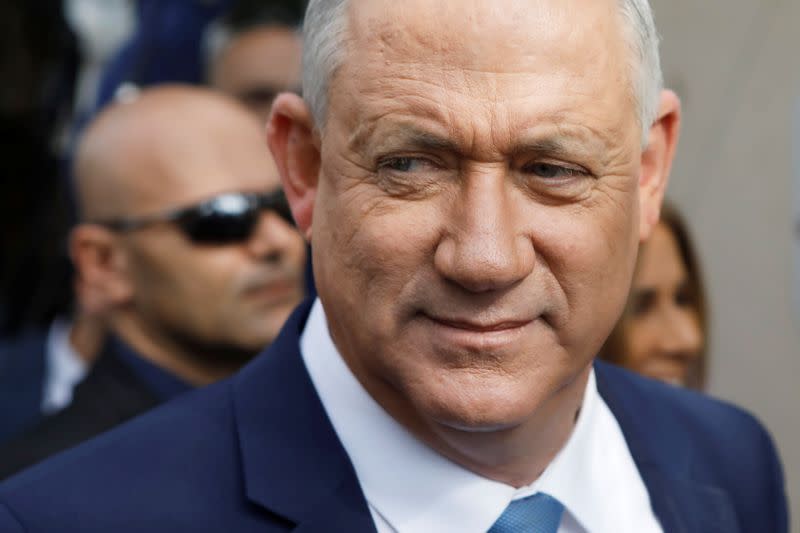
22, 369
257, 453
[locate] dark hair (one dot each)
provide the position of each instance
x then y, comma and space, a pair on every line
615, 350
247, 14
39, 57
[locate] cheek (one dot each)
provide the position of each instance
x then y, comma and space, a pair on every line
372, 252
638, 342
297, 253
190, 285
591, 254
650, 343
698, 339
380, 241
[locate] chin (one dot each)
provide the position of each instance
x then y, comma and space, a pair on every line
479, 426
480, 404
257, 342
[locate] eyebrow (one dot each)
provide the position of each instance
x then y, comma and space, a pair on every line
426, 140
548, 146
404, 133
414, 137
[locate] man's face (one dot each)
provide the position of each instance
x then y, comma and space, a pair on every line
257, 65
234, 297
477, 216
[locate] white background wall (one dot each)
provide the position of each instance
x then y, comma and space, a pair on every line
736, 65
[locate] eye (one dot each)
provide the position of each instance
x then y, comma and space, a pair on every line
642, 302
552, 171
410, 176
403, 164
684, 297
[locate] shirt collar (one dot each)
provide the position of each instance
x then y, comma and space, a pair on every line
65, 368
160, 382
411, 486
571, 477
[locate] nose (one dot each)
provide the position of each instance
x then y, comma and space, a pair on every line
271, 239
681, 333
485, 247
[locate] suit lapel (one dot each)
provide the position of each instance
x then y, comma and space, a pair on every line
293, 463
664, 455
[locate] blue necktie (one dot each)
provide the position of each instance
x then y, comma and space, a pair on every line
539, 513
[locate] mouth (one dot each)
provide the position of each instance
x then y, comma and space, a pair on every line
275, 290
479, 327
474, 334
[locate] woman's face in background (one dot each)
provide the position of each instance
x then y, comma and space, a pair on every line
662, 331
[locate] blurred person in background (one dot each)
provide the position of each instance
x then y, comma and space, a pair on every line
253, 52
663, 331
40, 367
41, 356
186, 245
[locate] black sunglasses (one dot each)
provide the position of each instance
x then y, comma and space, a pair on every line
224, 219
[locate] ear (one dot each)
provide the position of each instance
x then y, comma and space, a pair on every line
100, 269
296, 148
657, 162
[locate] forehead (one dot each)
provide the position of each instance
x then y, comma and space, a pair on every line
475, 31
215, 151
502, 64
269, 53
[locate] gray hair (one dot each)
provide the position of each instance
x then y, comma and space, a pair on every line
325, 29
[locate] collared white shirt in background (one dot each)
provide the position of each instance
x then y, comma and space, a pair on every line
64, 368
410, 488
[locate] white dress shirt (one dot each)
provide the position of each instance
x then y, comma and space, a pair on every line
64, 368
410, 488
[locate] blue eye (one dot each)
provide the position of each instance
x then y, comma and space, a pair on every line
549, 170
400, 164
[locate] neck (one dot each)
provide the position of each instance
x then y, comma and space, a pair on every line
186, 362
515, 456
86, 336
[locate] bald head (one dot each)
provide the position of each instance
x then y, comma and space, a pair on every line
195, 307
171, 146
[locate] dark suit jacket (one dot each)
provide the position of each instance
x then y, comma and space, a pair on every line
257, 453
110, 394
22, 369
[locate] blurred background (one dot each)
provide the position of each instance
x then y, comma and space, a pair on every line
734, 63
736, 178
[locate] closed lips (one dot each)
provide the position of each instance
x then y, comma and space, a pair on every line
480, 327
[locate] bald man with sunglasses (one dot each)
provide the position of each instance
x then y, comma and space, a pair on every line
186, 244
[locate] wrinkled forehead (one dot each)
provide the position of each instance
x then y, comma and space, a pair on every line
484, 35
481, 67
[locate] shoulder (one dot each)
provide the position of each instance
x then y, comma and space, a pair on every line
181, 455
694, 415
22, 370
713, 442
22, 360
18, 350
101, 402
